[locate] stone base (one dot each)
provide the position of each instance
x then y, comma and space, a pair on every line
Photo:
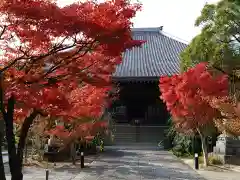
233, 160
227, 146
228, 150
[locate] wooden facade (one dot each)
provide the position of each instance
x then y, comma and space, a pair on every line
140, 101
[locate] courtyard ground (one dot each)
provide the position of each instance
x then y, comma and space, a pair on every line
125, 163
216, 172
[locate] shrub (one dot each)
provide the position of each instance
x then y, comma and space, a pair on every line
215, 160
181, 144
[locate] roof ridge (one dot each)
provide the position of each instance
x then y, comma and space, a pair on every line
174, 38
146, 29
160, 32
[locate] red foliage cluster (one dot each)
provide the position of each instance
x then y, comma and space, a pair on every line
60, 101
186, 95
59, 60
85, 131
107, 23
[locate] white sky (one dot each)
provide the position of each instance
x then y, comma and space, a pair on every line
176, 16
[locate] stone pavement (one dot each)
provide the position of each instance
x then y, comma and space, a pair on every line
138, 164
217, 172
124, 163
63, 171
213, 175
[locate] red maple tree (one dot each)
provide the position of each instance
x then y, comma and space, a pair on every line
186, 96
49, 56
86, 106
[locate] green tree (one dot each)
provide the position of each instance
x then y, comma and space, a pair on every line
219, 41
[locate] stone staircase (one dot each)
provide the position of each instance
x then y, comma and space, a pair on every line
129, 134
124, 134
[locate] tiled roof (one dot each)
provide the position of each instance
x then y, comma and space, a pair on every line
158, 56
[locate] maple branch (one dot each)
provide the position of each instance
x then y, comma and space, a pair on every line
59, 64
11, 64
53, 51
4, 28
232, 76
232, 19
61, 77
57, 48
222, 41
58, 45
36, 58
236, 38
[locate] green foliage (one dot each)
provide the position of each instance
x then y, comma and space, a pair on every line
215, 160
16, 132
182, 144
97, 140
16, 139
200, 159
219, 40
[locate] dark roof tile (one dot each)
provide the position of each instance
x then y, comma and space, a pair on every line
158, 56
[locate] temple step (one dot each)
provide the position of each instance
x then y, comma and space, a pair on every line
127, 134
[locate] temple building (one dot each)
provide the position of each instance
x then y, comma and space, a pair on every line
138, 77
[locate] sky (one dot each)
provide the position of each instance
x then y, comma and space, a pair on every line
176, 16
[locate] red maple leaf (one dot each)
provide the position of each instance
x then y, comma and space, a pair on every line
186, 95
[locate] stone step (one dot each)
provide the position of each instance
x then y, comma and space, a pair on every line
140, 136
127, 134
124, 139
130, 140
135, 146
5, 157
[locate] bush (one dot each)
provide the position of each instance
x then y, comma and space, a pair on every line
200, 159
215, 160
182, 145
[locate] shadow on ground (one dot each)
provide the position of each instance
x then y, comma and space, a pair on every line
128, 164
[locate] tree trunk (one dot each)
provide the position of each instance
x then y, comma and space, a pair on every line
23, 135
14, 164
204, 148
26, 152
2, 172
2, 127
73, 153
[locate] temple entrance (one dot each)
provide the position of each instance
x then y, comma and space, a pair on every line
139, 115
140, 101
